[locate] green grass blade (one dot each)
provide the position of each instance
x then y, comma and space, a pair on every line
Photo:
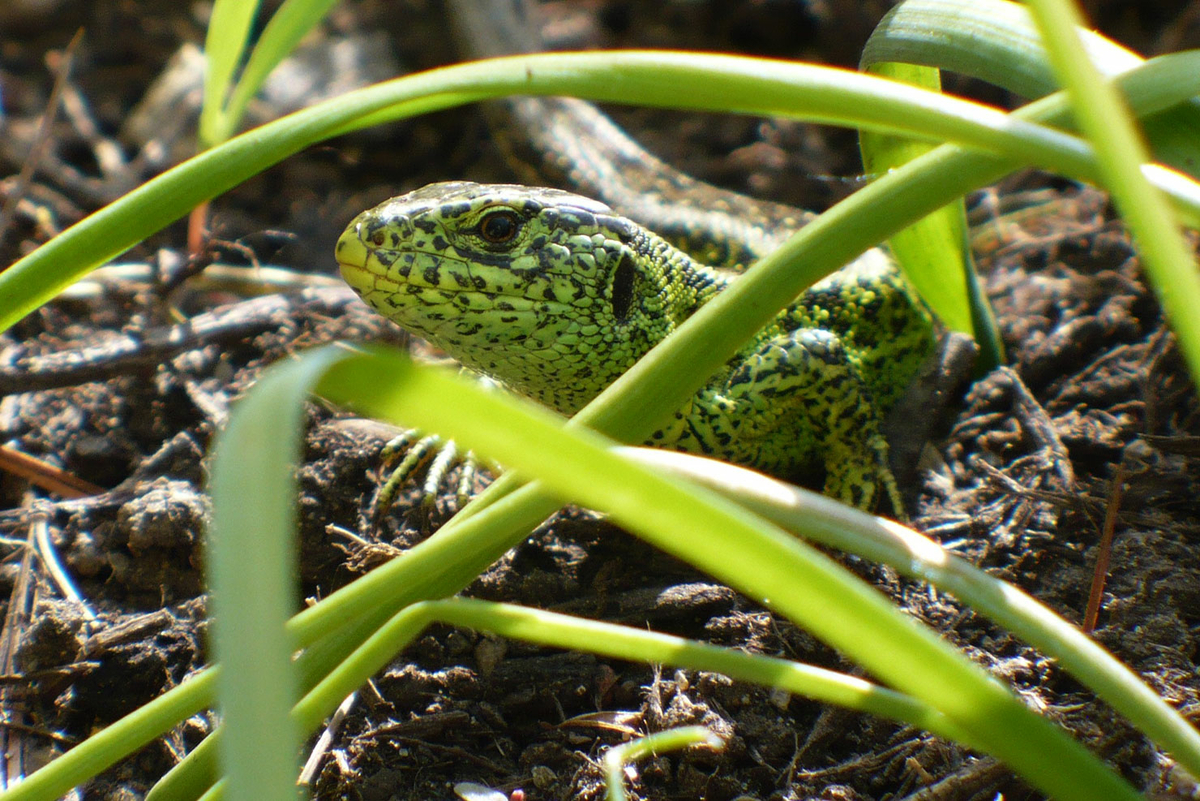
107, 746
618, 756
1106, 120
737, 548
931, 250
749, 85
820, 520
623, 642
251, 558
194, 775
199, 770
934, 252
993, 40
288, 25
996, 41
617, 642
224, 44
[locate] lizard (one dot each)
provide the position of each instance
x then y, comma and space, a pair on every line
555, 295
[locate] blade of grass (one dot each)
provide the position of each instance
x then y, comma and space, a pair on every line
734, 546
934, 252
997, 41
224, 43
115, 742
288, 25
252, 581
818, 519
993, 40
616, 642
1106, 120
743, 85
196, 772
618, 756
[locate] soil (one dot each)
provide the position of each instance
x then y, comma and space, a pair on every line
93, 384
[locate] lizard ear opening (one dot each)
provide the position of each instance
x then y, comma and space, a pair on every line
622, 288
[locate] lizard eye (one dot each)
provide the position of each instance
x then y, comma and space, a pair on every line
499, 227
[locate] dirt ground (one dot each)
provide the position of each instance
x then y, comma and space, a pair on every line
93, 384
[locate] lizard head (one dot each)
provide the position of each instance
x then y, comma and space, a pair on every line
550, 292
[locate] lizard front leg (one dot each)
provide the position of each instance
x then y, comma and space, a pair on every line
797, 401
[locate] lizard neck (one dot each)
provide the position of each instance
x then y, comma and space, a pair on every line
672, 285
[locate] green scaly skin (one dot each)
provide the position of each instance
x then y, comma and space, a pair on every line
555, 295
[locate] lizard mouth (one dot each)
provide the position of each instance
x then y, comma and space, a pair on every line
358, 277
352, 255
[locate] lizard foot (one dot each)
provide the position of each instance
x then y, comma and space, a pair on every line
419, 450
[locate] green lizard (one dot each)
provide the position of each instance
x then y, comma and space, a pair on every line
555, 295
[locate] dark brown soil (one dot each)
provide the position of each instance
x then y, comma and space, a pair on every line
1025, 476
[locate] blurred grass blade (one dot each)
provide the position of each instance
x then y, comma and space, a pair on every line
224, 45
997, 41
930, 249
1104, 117
252, 571
993, 40
288, 25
